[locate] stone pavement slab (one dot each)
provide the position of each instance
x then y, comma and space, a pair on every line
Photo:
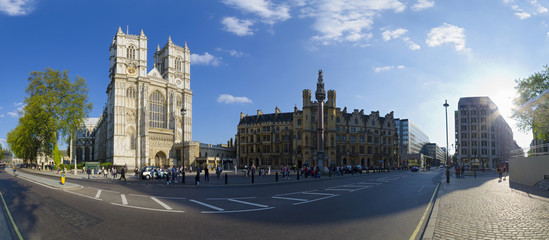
487, 208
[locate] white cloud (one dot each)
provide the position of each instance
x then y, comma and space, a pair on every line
388, 68
534, 8
17, 104
4, 144
233, 52
228, 99
447, 33
237, 26
12, 114
539, 7
521, 13
16, 7
2, 115
265, 9
205, 59
388, 34
422, 4
346, 20
398, 33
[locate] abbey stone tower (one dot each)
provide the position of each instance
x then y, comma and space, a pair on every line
141, 123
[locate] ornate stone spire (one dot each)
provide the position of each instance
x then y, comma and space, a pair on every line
185, 45
119, 31
158, 47
142, 34
320, 92
170, 40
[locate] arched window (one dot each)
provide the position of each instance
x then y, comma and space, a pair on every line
130, 97
178, 64
157, 110
131, 53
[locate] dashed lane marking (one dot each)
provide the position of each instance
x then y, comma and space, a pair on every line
317, 193
314, 200
148, 196
149, 209
291, 199
161, 203
207, 205
124, 200
240, 211
339, 189
249, 203
98, 193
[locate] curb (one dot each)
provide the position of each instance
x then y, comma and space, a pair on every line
430, 228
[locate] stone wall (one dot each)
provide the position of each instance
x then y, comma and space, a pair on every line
528, 170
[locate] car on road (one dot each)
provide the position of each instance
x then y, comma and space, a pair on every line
146, 172
414, 169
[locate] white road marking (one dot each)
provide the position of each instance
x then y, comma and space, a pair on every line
239, 211
124, 200
161, 203
230, 198
324, 194
98, 193
207, 205
82, 195
340, 189
148, 196
249, 203
291, 199
422, 187
314, 200
150, 209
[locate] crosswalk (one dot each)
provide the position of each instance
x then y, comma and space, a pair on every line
225, 205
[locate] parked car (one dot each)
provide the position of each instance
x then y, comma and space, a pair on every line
146, 172
414, 169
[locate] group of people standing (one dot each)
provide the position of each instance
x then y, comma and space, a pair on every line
104, 172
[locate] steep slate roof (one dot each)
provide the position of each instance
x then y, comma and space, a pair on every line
273, 117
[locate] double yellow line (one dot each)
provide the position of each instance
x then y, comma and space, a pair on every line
11, 218
414, 235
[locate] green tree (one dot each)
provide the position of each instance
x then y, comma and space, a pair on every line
1, 152
56, 155
536, 117
55, 107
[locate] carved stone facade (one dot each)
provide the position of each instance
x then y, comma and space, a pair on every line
141, 122
291, 138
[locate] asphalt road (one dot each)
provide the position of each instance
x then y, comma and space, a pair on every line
368, 206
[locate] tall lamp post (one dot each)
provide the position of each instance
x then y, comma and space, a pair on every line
446, 155
183, 111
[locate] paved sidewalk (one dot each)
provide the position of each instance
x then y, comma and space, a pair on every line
487, 208
233, 179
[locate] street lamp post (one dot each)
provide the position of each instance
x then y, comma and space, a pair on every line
183, 111
446, 156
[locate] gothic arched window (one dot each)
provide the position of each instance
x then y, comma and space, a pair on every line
157, 110
130, 97
178, 64
131, 53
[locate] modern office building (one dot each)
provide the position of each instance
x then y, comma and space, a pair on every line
434, 154
411, 141
292, 138
483, 137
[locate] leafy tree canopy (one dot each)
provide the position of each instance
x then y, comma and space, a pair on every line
534, 117
55, 107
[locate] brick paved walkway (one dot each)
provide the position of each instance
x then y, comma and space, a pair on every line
485, 208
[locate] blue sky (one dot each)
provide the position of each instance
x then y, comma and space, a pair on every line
405, 56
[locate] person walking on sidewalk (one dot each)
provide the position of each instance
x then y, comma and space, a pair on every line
122, 174
206, 174
197, 178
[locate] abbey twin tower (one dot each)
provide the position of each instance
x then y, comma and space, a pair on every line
141, 123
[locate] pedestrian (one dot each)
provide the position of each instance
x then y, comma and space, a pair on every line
89, 172
206, 175
197, 178
105, 174
122, 174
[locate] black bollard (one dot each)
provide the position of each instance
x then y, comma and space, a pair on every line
298, 173
253, 181
447, 175
182, 177
276, 176
226, 179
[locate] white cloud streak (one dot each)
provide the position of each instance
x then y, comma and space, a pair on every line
228, 99
346, 20
16, 7
388, 68
205, 59
268, 12
400, 33
237, 26
447, 33
12, 114
422, 4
